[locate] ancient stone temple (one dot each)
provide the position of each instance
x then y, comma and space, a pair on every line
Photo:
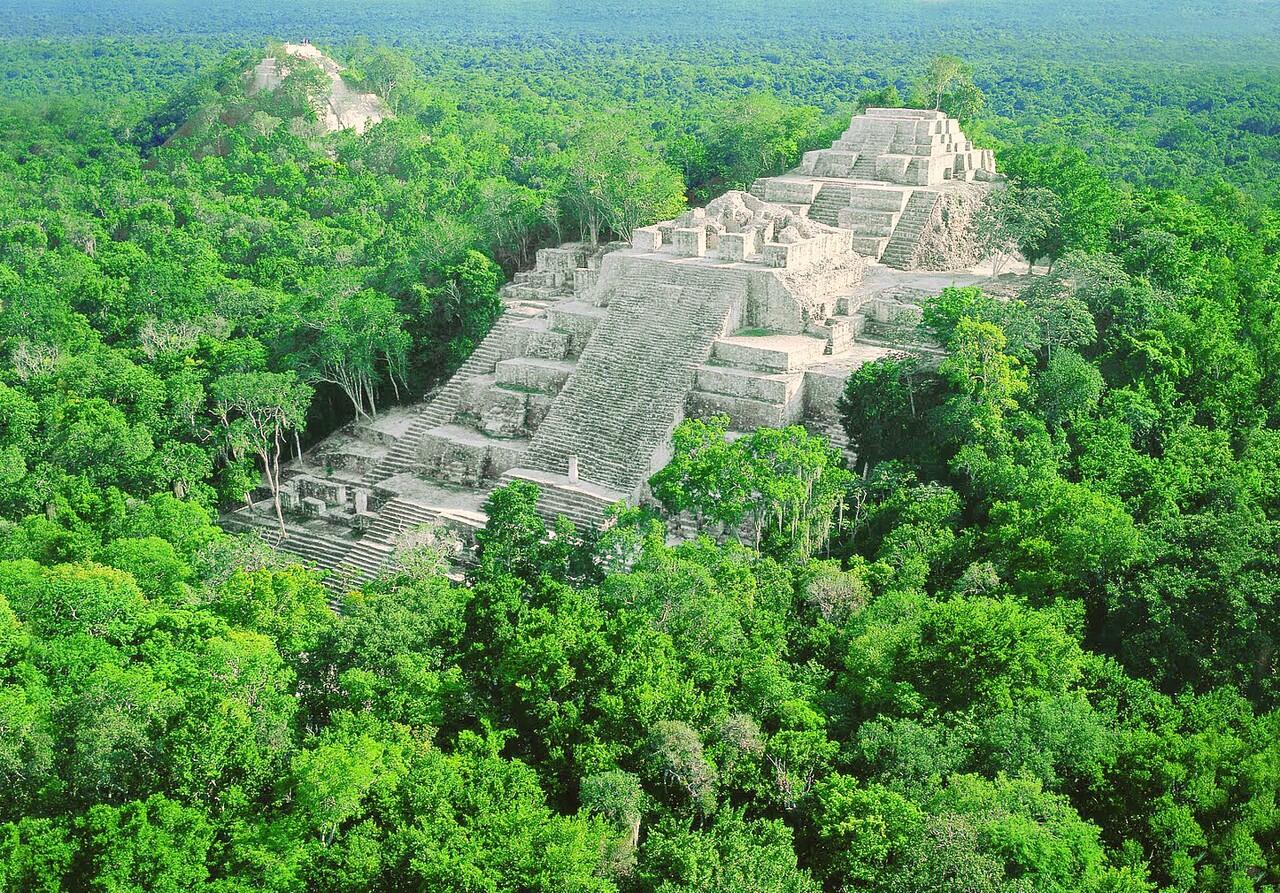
751, 308
905, 182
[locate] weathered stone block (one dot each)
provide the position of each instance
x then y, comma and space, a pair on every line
690, 241
560, 260
896, 313
454, 459
585, 280
331, 492
578, 321
647, 238
503, 413
822, 389
471, 395
548, 345
732, 247
791, 192
777, 255
745, 414
530, 374
538, 407
770, 387
769, 353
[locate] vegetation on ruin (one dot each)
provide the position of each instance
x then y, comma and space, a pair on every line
1028, 643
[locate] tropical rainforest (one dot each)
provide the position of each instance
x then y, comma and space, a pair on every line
1026, 641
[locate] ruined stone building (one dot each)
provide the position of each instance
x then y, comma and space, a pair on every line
756, 307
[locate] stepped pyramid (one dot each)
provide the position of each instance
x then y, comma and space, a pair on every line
905, 182
753, 308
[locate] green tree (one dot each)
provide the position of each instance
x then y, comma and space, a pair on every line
356, 332
613, 183
885, 407
156, 844
1017, 218
257, 410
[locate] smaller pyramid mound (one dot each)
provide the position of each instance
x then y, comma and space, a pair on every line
338, 108
294, 85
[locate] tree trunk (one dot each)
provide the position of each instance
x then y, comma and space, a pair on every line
272, 471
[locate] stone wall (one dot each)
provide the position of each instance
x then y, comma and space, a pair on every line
949, 240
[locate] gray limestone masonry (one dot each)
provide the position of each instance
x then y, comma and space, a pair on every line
905, 182
756, 307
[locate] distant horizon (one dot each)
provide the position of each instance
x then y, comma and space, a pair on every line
1255, 21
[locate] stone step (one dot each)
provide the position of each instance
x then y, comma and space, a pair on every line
443, 408
870, 246
634, 374
768, 353
533, 374
871, 231
398, 516
582, 503
879, 198
831, 198
782, 190
775, 387
464, 456
902, 247
577, 321
745, 413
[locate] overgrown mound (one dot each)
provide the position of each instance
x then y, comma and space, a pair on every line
294, 85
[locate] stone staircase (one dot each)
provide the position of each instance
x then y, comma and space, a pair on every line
871, 213
441, 410
832, 198
900, 251
582, 503
373, 553
876, 144
629, 388
320, 551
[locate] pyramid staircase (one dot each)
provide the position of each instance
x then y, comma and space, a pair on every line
899, 250
628, 391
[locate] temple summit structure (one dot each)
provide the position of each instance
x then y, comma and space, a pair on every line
905, 182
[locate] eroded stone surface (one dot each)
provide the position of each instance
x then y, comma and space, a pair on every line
342, 108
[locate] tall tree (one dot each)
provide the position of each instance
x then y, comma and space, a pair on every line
258, 410
358, 335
